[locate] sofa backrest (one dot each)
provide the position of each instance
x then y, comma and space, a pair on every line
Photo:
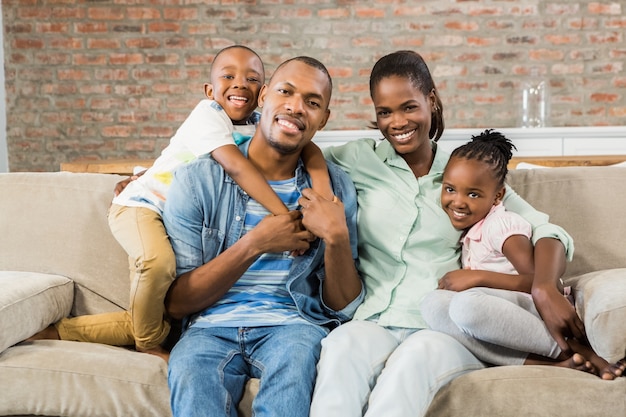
588, 202
57, 223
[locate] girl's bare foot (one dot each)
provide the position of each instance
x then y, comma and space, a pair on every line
614, 370
605, 370
580, 363
157, 351
49, 332
576, 361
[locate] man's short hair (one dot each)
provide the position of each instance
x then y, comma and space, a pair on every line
312, 62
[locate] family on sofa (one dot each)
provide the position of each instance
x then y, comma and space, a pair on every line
264, 293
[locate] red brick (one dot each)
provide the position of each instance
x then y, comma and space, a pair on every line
145, 13
333, 13
369, 13
91, 27
180, 13
604, 97
156, 132
118, 131
139, 145
80, 59
117, 74
164, 27
142, 43
613, 37
65, 43
103, 43
125, 59
618, 112
134, 117
340, 72
58, 89
462, 26
563, 39
74, 13
106, 13
52, 27
37, 13
24, 43
147, 74
96, 117
603, 8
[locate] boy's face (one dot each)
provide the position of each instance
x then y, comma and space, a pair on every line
468, 192
236, 78
295, 106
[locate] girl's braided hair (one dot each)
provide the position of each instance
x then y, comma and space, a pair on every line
490, 147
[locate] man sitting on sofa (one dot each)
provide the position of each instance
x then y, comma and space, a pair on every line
254, 310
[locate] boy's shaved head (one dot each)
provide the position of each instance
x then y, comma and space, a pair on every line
228, 48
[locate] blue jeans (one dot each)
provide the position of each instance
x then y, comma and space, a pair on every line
209, 367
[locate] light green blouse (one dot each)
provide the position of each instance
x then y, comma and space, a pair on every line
406, 241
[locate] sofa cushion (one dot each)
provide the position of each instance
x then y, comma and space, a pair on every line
97, 380
601, 302
56, 222
587, 203
539, 391
29, 302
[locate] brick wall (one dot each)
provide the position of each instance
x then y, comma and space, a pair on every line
114, 78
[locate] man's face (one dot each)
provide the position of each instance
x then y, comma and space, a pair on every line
295, 106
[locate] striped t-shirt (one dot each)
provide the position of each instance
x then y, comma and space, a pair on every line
260, 296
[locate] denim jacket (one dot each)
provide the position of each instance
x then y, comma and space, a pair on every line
204, 215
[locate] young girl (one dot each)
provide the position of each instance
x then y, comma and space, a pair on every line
216, 123
493, 304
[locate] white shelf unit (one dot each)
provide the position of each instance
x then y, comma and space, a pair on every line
548, 141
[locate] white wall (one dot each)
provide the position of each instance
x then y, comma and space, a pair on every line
4, 154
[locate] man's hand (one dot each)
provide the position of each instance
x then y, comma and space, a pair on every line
119, 187
325, 219
559, 315
281, 233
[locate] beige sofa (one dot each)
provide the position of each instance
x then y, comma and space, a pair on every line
58, 258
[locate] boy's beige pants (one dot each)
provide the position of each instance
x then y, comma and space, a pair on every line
152, 264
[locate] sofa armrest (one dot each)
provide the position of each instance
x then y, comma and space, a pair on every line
601, 302
29, 302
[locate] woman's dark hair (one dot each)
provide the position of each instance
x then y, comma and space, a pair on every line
490, 147
411, 65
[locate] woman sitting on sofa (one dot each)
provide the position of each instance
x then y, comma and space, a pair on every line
383, 362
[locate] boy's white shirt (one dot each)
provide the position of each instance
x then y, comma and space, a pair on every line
206, 128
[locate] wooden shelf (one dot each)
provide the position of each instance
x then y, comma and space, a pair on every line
126, 166
107, 166
566, 161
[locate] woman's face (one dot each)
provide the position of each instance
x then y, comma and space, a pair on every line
403, 113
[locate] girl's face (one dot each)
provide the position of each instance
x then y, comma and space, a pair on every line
468, 192
403, 114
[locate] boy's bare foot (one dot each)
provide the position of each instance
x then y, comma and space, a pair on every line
157, 351
49, 332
